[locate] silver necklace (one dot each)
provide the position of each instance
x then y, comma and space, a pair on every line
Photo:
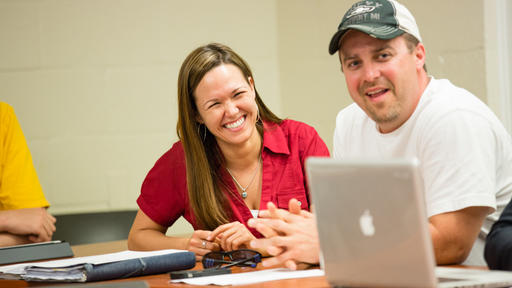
244, 193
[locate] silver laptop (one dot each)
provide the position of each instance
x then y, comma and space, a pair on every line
373, 227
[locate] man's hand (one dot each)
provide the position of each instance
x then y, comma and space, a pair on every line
290, 237
36, 223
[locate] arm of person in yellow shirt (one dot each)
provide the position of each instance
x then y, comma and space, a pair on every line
7, 239
21, 226
453, 233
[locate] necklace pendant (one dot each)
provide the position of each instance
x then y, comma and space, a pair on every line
244, 194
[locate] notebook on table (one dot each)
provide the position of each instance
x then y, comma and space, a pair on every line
35, 251
373, 227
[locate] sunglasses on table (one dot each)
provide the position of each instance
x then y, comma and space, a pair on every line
241, 257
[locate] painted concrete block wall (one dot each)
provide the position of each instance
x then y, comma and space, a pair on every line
93, 84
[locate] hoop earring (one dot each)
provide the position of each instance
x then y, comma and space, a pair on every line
199, 133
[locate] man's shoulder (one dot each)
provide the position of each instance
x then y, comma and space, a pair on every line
350, 111
350, 115
444, 94
443, 98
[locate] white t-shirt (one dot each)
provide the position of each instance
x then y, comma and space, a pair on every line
465, 152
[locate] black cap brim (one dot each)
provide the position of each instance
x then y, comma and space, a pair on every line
334, 46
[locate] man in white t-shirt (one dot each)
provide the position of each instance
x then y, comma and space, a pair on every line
400, 111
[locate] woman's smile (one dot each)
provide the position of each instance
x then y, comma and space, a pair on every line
235, 124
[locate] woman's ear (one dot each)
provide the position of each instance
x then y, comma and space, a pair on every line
251, 82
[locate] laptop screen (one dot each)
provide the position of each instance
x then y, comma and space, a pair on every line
372, 223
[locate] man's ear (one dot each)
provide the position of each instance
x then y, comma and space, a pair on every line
419, 53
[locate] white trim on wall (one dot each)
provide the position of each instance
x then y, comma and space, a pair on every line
498, 35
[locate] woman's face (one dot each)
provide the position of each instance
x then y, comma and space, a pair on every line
225, 100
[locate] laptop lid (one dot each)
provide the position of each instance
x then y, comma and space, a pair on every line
373, 227
372, 223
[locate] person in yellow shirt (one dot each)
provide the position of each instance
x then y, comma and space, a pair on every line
23, 215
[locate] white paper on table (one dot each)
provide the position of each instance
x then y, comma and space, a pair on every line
11, 271
252, 277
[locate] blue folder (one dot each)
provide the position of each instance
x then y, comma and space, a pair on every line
88, 272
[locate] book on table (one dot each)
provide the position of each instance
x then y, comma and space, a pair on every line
35, 251
102, 267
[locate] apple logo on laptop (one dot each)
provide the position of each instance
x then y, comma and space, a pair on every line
366, 223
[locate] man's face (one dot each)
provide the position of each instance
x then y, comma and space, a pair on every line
382, 77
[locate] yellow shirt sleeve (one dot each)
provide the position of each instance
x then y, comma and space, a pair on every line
19, 185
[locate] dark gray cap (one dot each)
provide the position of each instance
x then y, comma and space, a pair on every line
382, 19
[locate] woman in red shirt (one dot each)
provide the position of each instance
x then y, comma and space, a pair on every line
234, 155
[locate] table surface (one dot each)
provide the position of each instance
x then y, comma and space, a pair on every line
162, 280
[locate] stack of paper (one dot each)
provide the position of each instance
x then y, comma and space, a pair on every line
102, 267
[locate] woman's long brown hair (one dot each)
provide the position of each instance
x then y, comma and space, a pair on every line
203, 156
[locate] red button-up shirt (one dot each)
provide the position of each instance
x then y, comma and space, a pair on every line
164, 196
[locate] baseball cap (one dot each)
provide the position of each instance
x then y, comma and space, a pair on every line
382, 19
